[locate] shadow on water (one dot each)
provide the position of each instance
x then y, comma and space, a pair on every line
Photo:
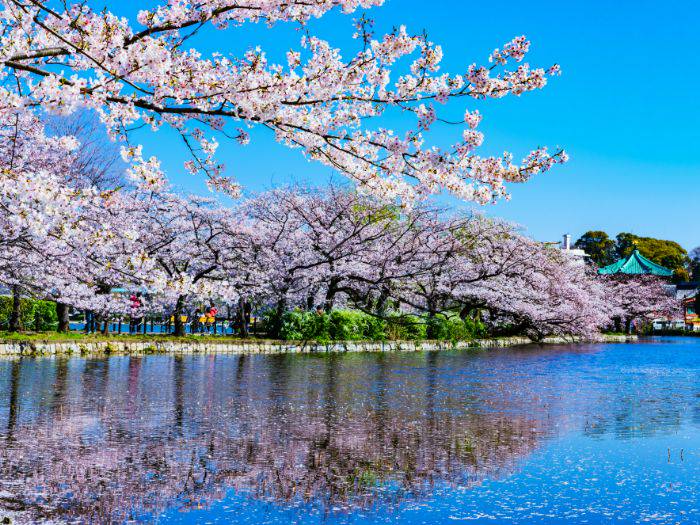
127, 438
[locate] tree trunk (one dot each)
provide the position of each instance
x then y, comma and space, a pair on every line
618, 324
430, 332
628, 326
273, 330
244, 318
15, 315
464, 313
330, 295
179, 325
381, 302
63, 319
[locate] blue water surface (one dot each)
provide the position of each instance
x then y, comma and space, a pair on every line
598, 433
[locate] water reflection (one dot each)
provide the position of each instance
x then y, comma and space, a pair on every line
127, 438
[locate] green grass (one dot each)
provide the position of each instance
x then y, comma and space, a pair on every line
71, 337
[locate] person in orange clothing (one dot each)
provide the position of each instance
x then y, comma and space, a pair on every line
211, 318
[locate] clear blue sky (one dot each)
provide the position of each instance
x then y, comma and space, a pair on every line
626, 108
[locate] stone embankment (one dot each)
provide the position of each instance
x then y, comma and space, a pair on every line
256, 346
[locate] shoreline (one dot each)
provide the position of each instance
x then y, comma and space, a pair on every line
37, 348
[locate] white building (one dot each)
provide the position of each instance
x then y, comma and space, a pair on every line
572, 252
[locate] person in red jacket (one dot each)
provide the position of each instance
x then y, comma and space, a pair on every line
135, 319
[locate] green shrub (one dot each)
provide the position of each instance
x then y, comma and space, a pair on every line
26, 312
45, 316
33, 314
298, 325
406, 328
339, 325
450, 327
271, 322
352, 325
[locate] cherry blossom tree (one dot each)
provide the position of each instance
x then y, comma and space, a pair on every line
326, 244
200, 250
485, 268
62, 238
640, 299
338, 245
64, 56
548, 294
33, 200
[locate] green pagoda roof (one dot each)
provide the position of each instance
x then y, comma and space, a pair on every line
635, 264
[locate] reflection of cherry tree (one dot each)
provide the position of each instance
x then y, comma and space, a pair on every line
80, 453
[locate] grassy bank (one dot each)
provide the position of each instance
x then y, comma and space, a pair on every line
80, 337
83, 347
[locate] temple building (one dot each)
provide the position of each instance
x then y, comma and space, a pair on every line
690, 316
635, 264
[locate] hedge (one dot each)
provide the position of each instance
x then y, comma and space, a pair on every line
353, 325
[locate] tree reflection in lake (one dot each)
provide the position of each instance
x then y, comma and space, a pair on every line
108, 440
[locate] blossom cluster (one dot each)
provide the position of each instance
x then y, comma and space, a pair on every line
141, 71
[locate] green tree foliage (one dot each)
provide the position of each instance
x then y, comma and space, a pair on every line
666, 253
599, 246
35, 315
604, 251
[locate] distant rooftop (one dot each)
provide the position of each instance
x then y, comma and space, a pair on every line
635, 264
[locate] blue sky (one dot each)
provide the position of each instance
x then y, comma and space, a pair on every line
626, 109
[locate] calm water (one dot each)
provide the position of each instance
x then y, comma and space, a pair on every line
569, 434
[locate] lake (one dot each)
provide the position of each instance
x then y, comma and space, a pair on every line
591, 433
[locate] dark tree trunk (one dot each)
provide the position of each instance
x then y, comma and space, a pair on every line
63, 319
15, 315
177, 315
382, 302
628, 326
243, 316
533, 333
330, 295
464, 313
618, 324
282, 306
274, 329
430, 330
